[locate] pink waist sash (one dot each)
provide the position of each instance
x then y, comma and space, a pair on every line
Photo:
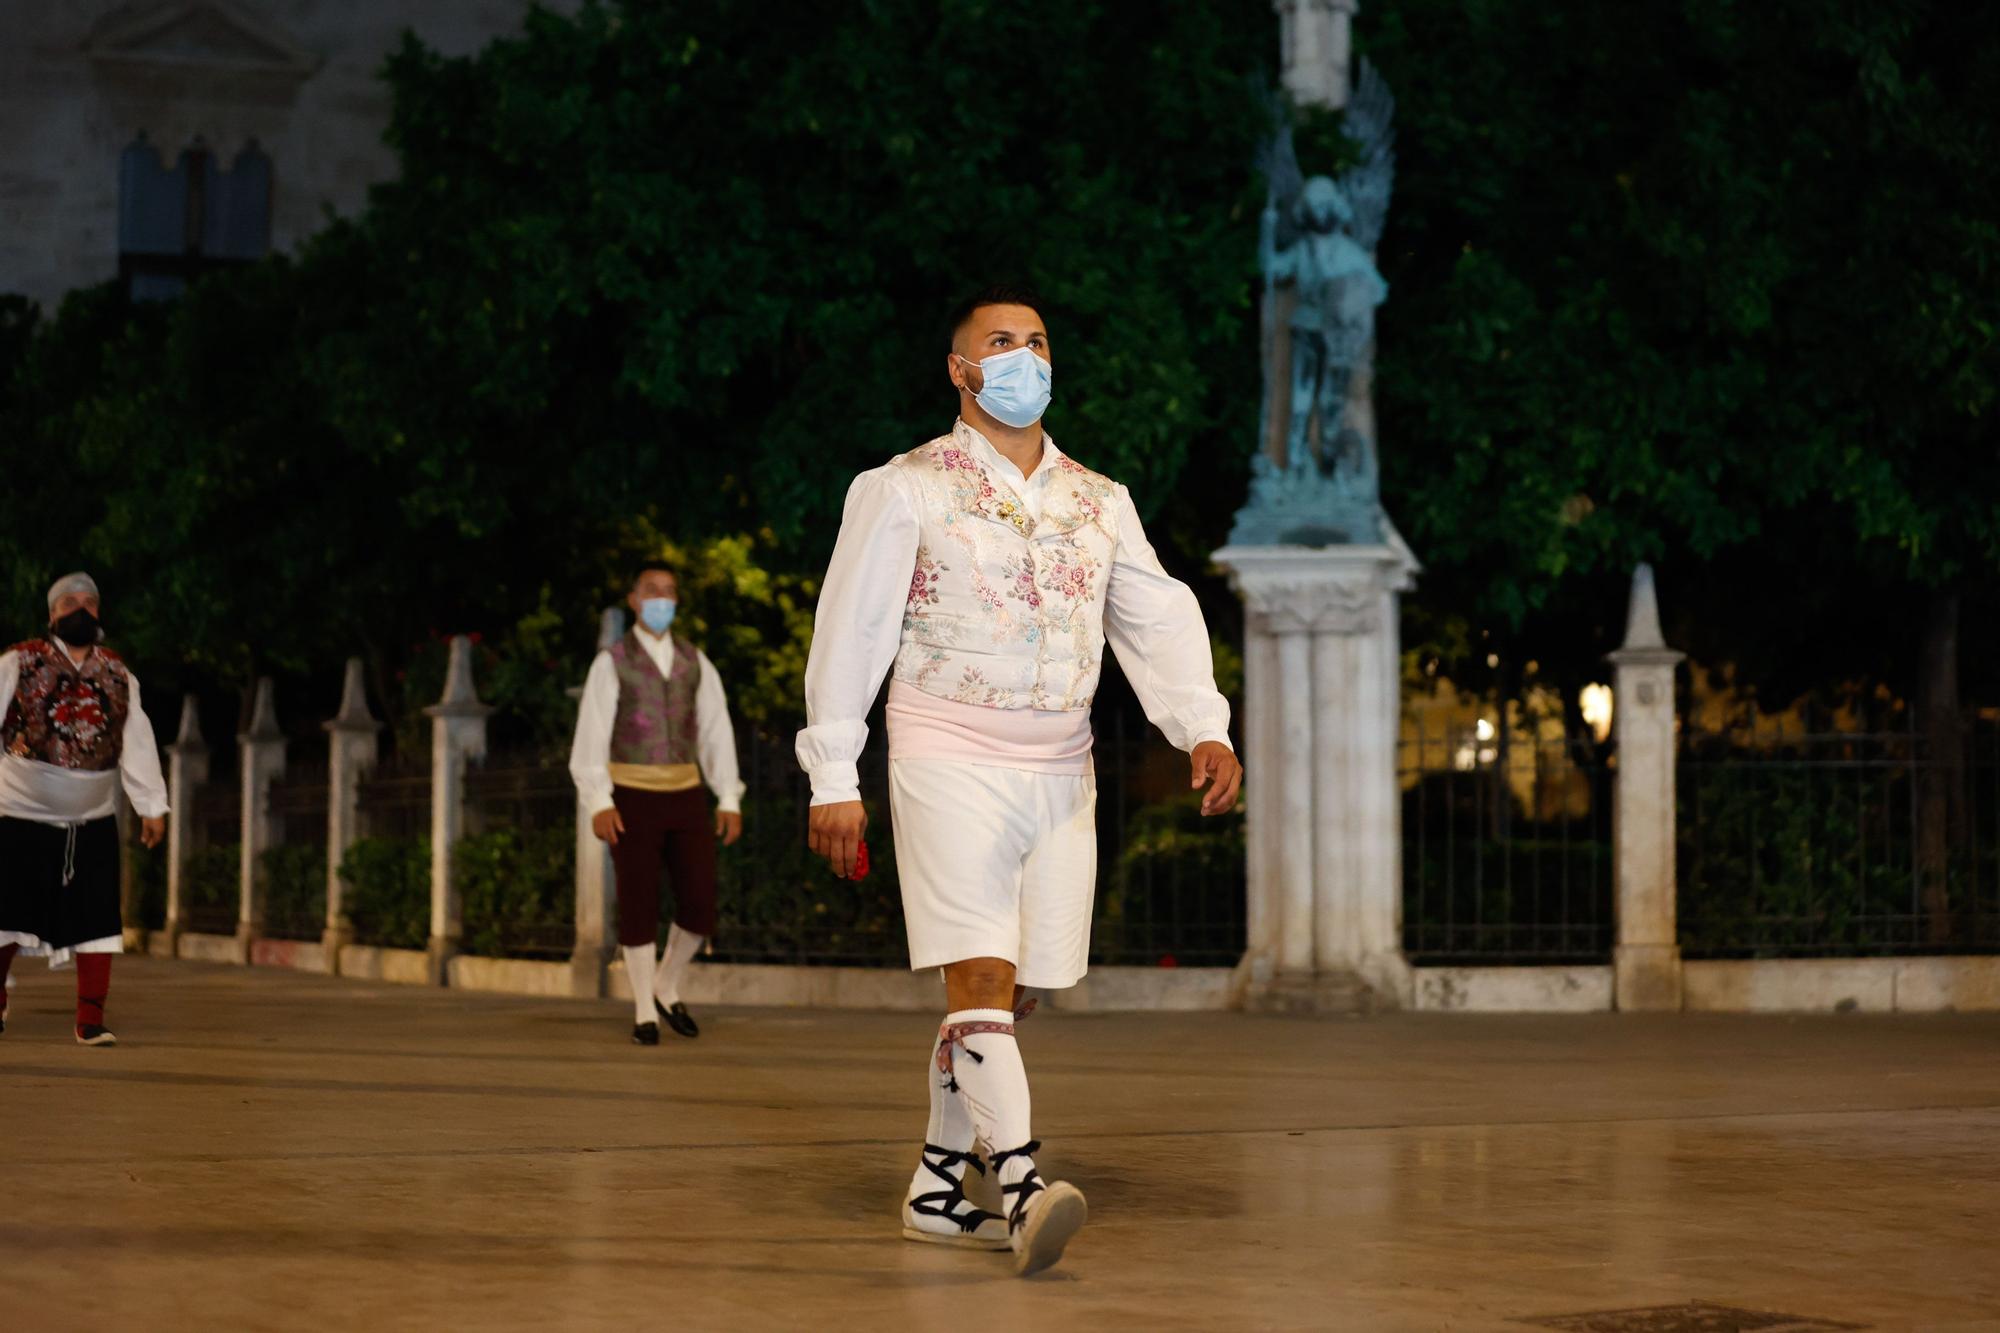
923, 726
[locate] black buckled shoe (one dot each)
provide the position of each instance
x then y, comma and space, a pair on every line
677, 1017
645, 1034
94, 1034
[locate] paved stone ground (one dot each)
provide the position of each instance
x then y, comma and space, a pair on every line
268, 1150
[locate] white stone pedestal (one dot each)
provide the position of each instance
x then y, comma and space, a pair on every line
1322, 707
261, 751
187, 769
596, 902
1647, 963
458, 735
353, 747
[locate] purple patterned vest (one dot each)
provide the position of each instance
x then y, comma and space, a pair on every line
72, 717
656, 722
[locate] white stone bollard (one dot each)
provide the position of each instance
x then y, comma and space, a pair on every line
1322, 706
353, 746
262, 751
595, 936
187, 769
458, 734
1647, 959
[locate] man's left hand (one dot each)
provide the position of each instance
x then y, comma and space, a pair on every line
1215, 764
728, 826
153, 831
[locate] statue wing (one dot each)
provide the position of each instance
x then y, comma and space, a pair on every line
1371, 123
1278, 159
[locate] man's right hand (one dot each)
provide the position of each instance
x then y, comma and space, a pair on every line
607, 825
834, 831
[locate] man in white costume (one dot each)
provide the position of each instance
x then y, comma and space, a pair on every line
985, 571
71, 729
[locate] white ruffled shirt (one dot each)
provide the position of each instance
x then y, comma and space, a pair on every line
597, 715
51, 794
1151, 620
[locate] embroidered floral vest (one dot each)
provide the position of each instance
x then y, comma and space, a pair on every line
655, 723
1005, 611
69, 716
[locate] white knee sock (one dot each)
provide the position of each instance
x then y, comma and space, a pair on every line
992, 1083
682, 946
638, 975
951, 1124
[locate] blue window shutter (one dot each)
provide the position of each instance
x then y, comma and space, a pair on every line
152, 202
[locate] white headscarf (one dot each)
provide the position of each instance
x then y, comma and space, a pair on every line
79, 582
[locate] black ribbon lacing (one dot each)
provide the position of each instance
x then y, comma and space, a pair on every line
1024, 1189
945, 1202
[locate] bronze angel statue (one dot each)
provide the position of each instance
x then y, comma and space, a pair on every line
1321, 287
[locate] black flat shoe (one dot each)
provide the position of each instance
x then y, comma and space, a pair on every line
678, 1018
645, 1034
92, 1034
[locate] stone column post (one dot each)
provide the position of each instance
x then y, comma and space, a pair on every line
133, 929
596, 938
1321, 706
1263, 917
1647, 960
262, 750
353, 746
187, 769
458, 734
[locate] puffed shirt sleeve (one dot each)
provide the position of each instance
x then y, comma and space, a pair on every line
715, 739
139, 757
857, 628
590, 752
1154, 624
10, 679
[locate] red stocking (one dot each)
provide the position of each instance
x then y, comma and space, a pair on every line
93, 980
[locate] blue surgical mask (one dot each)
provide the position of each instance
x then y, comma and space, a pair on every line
1016, 388
656, 613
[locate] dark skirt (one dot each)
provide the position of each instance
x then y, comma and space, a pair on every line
35, 900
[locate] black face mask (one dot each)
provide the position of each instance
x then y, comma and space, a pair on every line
78, 629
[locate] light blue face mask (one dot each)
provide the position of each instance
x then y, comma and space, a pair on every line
1016, 390
656, 613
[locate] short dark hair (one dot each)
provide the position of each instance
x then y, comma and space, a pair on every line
647, 568
1000, 293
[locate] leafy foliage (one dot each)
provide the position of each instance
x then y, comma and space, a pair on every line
388, 891
517, 889
690, 284
1697, 282
294, 887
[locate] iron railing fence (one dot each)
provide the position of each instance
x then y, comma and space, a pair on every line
293, 873
394, 797
1796, 841
1170, 890
211, 898
1506, 843
516, 868
1171, 884
776, 901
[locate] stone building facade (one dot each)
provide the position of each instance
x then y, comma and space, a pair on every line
196, 82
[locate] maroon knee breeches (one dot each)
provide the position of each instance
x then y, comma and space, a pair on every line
671, 830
